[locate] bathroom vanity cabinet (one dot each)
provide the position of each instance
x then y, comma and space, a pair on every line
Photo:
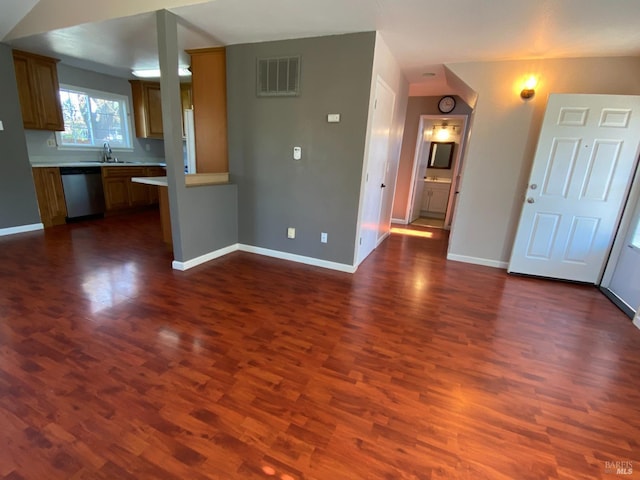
435, 197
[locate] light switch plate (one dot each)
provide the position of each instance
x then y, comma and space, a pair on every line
333, 117
297, 153
1, 125
291, 232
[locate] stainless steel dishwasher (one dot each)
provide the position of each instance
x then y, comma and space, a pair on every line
83, 191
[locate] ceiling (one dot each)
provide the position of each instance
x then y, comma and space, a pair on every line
422, 34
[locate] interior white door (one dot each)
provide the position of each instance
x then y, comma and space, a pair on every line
371, 225
581, 173
625, 282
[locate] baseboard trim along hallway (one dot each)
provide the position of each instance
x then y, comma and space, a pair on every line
477, 261
316, 262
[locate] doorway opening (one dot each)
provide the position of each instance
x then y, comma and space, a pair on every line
436, 170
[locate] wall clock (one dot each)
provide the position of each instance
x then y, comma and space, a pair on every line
446, 104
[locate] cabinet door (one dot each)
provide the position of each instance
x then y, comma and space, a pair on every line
50, 194
209, 85
45, 77
138, 194
153, 104
28, 102
426, 196
439, 199
116, 193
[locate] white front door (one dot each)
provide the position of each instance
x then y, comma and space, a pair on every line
581, 173
372, 226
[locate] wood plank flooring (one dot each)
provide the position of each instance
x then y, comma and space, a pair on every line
114, 366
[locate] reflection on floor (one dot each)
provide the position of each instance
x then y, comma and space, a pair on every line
429, 222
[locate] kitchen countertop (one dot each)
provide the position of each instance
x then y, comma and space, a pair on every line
159, 181
98, 164
437, 180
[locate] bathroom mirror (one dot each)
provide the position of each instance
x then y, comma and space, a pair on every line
440, 154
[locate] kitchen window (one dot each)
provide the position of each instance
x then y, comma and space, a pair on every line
92, 117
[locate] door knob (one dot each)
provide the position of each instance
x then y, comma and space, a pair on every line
382, 186
533, 186
530, 200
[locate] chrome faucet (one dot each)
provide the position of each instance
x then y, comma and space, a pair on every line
106, 152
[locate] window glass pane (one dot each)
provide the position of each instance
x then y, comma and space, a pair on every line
92, 118
106, 121
75, 111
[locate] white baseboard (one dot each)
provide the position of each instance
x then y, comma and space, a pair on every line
636, 319
477, 261
316, 262
21, 229
194, 262
400, 221
383, 238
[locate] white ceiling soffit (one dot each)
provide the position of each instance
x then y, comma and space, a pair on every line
50, 15
113, 47
12, 11
419, 33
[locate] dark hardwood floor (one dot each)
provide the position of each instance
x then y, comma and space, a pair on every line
114, 366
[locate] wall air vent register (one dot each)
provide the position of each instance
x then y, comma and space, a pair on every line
278, 77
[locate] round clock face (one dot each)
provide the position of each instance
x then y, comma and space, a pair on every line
446, 104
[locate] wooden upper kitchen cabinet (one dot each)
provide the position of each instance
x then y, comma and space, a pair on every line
147, 107
48, 183
209, 90
38, 90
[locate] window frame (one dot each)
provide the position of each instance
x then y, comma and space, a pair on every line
634, 241
125, 103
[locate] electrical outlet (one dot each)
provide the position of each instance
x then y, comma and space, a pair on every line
147, 147
291, 232
51, 142
323, 237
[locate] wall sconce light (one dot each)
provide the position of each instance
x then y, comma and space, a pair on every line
529, 89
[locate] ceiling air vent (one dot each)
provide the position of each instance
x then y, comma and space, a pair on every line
279, 77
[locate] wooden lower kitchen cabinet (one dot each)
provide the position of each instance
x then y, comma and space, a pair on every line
121, 194
48, 183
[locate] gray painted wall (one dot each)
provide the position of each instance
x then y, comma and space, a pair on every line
417, 106
39, 151
18, 204
320, 192
205, 218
